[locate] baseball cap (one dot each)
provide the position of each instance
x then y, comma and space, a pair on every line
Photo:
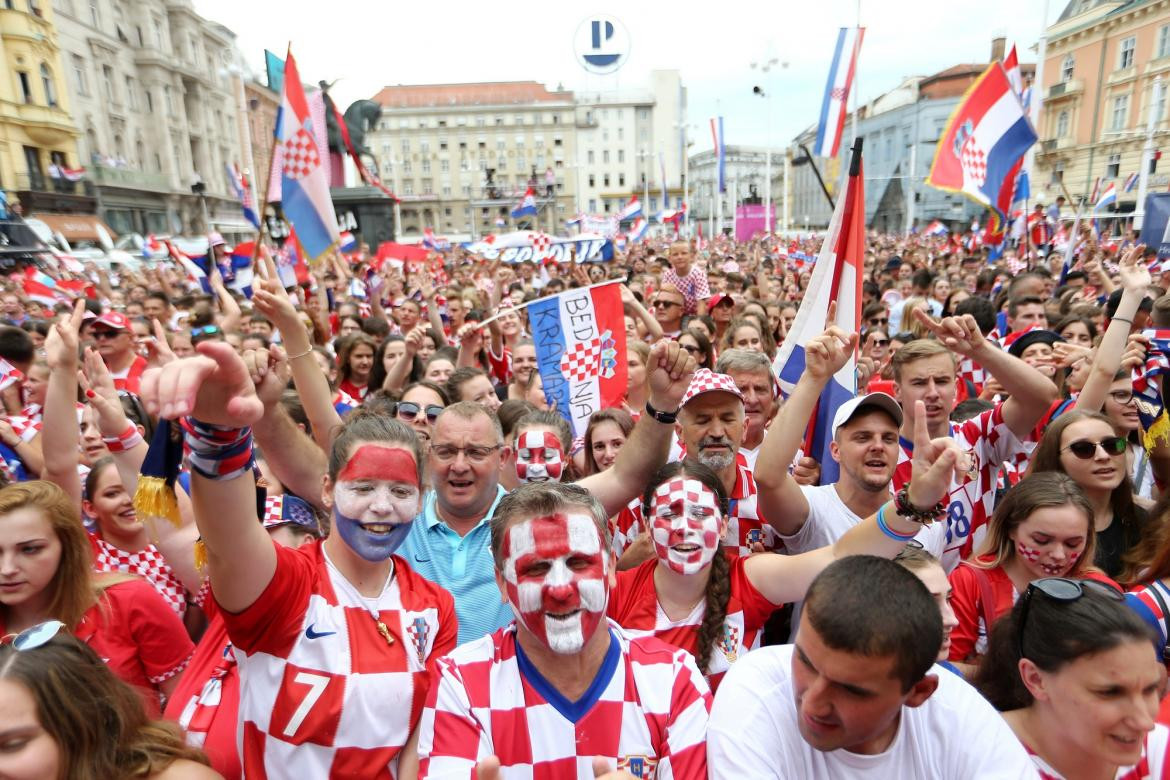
717, 299
288, 509
215, 239
114, 320
881, 401
707, 381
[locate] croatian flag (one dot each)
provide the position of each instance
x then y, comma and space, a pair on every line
580, 340
836, 276
1108, 198
243, 194
304, 181
430, 241
834, 105
720, 151
638, 230
936, 228
348, 242
631, 210
1130, 182
983, 146
1011, 66
9, 374
42, 288
527, 207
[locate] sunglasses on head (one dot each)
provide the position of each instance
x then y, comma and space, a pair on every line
1085, 449
205, 330
408, 411
34, 637
1060, 589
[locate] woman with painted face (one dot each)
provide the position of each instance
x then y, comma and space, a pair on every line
1043, 527
1074, 672
330, 632
539, 452
695, 596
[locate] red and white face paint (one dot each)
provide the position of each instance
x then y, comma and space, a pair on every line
685, 524
1050, 560
539, 457
556, 575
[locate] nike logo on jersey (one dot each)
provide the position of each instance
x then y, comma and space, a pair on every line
311, 634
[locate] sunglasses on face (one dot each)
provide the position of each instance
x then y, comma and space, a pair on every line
666, 304
879, 321
881, 342
1060, 589
102, 335
408, 411
1085, 449
32, 638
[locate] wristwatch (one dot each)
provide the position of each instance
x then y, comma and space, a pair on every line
666, 418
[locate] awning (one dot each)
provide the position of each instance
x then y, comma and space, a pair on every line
76, 227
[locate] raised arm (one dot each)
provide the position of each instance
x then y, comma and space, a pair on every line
433, 316
312, 385
780, 498
60, 434
646, 449
399, 373
1031, 392
214, 389
1135, 280
230, 314
635, 309
786, 578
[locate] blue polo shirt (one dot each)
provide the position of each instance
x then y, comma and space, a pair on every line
461, 564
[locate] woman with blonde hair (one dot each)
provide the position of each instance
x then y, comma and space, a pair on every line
1043, 527
67, 715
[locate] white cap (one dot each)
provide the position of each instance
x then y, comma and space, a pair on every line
882, 401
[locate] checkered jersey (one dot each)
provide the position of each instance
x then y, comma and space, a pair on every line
973, 373
745, 527
971, 501
1152, 766
500, 366
649, 718
148, 563
693, 286
633, 604
322, 694
24, 426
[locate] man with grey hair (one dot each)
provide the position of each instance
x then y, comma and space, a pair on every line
561, 691
448, 542
752, 373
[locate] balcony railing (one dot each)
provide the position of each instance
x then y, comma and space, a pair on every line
39, 182
130, 177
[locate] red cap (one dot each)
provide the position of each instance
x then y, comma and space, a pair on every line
113, 319
717, 299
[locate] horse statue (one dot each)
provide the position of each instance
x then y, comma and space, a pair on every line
361, 117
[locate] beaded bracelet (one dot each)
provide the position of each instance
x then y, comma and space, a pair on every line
127, 440
890, 532
218, 452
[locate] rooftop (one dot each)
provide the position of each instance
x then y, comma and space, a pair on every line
497, 93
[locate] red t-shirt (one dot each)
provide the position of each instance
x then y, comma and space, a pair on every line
132, 378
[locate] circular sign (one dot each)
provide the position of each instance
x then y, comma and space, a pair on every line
601, 44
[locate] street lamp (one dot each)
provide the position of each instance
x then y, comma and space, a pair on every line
765, 68
644, 155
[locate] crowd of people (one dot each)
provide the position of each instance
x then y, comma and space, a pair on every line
335, 529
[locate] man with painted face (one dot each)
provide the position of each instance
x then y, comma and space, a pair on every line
449, 544
330, 632
540, 441
561, 691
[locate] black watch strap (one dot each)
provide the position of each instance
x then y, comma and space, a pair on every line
666, 418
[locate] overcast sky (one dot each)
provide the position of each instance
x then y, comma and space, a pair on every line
366, 45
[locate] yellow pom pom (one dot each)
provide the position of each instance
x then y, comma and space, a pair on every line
154, 498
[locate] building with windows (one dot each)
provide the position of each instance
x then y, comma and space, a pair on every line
744, 180
151, 87
38, 141
1101, 63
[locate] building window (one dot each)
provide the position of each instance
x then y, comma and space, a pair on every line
406, 146
427, 186
447, 194
1113, 169
480, 121
445, 166
426, 166
605, 179
1058, 172
502, 163
149, 100
1066, 69
643, 113
621, 155
25, 86
1162, 46
593, 205
79, 75
1125, 58
131, 93
1120, 112
605, 156
556, 119
408, 187
592, 183
406, 166
1062, 125
424, 146
47, 85
621, 180
95, 13
170, 103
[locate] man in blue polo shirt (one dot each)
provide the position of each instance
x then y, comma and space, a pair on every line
449, 542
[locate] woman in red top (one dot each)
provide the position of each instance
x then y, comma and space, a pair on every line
46, 574
355, 360
695, 596
1043, 527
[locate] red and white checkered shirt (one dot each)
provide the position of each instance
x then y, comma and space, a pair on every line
693, 286
634, 605
973, 373
147, 563
646, 713
745, 527
322, 694
972, 500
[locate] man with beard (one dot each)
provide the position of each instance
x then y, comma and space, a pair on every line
865, 445
710, 427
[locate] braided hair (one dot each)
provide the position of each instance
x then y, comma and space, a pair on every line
719, 581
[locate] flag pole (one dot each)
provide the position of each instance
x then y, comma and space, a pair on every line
263, 205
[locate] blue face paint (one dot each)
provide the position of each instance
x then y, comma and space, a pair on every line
373, 547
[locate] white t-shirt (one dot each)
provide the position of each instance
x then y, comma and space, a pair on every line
829, 518
955, 734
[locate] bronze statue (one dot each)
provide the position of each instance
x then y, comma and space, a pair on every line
360, 118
